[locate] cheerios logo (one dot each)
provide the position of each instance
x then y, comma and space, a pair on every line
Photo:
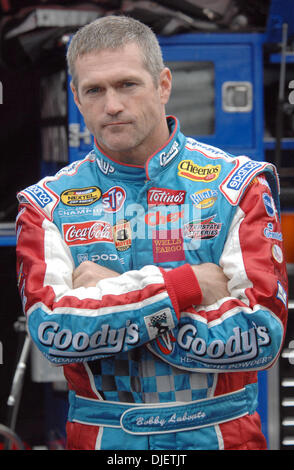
189, 169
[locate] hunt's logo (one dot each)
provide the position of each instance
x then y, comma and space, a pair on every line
81, 196
189, 169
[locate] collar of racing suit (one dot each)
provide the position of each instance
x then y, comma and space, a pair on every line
155, 164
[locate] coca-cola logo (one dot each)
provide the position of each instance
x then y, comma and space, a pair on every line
84, 233
165, 197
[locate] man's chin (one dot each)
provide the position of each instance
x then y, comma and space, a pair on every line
119, 145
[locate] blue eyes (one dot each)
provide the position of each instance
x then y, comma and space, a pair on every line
95, 90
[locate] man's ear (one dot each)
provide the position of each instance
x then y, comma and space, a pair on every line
165, 85
75, 95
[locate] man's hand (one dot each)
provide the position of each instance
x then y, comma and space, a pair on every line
87, 274
212, 282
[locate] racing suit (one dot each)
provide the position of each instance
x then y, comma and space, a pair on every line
148, 366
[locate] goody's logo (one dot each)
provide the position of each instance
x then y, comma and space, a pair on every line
240, 346
63, 342
192, 349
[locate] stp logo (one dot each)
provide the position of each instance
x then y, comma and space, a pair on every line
113, 199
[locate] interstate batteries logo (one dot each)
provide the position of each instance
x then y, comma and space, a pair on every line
202, 229
189, 169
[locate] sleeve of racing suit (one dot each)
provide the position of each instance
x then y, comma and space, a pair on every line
70, 325
246, 330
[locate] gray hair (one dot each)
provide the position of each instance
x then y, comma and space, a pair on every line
112, 32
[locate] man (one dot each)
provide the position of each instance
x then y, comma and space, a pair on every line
153, 269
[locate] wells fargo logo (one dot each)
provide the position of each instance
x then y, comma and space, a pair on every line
189, 169
81, 196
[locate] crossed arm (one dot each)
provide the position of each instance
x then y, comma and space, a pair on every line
210, 277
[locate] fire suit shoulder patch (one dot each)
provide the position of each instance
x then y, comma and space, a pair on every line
240, 176
41, 197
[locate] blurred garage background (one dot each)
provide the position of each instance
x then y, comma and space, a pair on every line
235, 58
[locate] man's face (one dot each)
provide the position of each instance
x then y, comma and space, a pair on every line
120, 103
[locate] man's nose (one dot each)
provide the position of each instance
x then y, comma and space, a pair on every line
113, 104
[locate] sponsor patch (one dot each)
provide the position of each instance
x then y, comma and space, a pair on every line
113, 199
269, 233
43, 199
81, 196
159, 323
165, 158
240, 176
192, 171
122, 234
204, 198
244, 171
167, 246
41, 196
164, 196
240, 346
104, 166
65, 343
269, 205
160, 218
202, 229
277, 254
281, 294
84, 233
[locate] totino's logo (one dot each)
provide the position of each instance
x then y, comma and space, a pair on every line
164, 196
189, 169
81, 197
87, 232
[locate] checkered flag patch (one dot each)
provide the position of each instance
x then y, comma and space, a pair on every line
159, 322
